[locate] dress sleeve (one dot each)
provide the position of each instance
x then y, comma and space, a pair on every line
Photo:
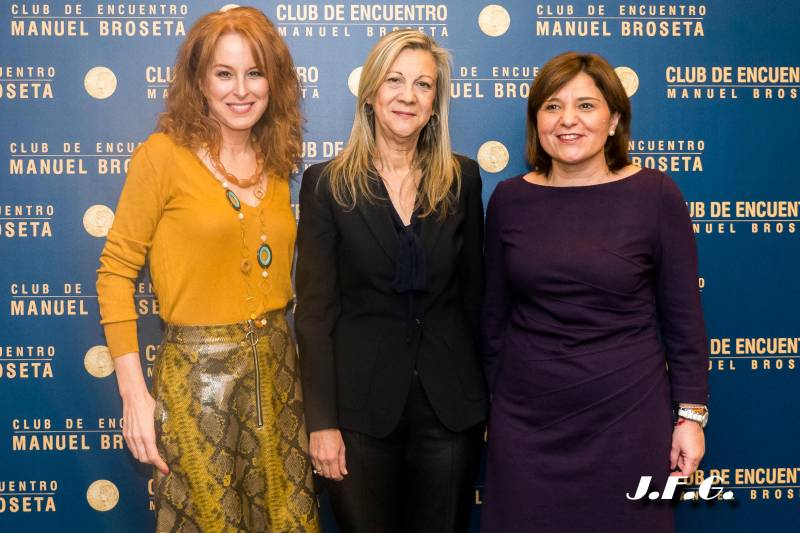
127, 244
678, 299
471, 264
497, 299
318, 304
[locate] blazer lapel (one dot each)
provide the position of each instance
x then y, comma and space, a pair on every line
380, 224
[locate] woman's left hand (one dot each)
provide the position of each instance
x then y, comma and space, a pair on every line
688, 447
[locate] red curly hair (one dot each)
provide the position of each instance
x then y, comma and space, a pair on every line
278, 133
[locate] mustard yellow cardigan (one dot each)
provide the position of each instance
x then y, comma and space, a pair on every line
173, 213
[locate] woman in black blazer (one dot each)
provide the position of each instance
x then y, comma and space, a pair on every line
389, 282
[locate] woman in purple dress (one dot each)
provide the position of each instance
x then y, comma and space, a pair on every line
593, 329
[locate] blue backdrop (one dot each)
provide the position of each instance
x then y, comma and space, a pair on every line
714, 90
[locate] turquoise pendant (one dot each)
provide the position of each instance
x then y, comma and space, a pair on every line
264, 255
234, 200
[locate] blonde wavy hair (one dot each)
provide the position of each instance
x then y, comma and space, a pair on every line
278, 133
352, 171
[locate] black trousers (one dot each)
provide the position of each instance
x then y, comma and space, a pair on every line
419, 479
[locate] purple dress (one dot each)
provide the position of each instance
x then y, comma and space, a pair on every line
592, 327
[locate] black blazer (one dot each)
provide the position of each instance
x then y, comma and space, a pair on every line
358, 348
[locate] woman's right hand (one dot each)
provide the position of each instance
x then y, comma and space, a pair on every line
327, 453
138, 409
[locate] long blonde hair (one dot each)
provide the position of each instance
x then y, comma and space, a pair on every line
278, 132
353, 169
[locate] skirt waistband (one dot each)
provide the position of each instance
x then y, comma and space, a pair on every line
176, 333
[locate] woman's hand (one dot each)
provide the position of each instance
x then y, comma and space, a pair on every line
688, 447
138, 408
327, 453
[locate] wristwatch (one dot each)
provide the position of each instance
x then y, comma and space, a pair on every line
697, 414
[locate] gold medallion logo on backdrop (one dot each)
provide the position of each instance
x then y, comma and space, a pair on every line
98, 362
97, 220
100, 82
102, 495
494, 20
493, 156
629, 79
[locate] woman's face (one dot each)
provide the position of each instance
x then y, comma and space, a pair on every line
403, 103
236, 90
574, 123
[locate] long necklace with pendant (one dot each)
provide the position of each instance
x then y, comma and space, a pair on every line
263, 254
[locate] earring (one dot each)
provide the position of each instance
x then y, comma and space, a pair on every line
611, 133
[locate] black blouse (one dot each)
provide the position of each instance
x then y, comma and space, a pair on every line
410, 270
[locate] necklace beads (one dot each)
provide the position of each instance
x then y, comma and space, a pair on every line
263, 253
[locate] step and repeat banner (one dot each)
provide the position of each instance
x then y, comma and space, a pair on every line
714, 87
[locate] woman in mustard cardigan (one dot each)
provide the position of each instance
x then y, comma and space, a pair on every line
206, 203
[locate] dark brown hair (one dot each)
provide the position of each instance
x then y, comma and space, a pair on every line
558, 72
278, 132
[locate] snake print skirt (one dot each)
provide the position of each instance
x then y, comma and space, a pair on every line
229, 423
